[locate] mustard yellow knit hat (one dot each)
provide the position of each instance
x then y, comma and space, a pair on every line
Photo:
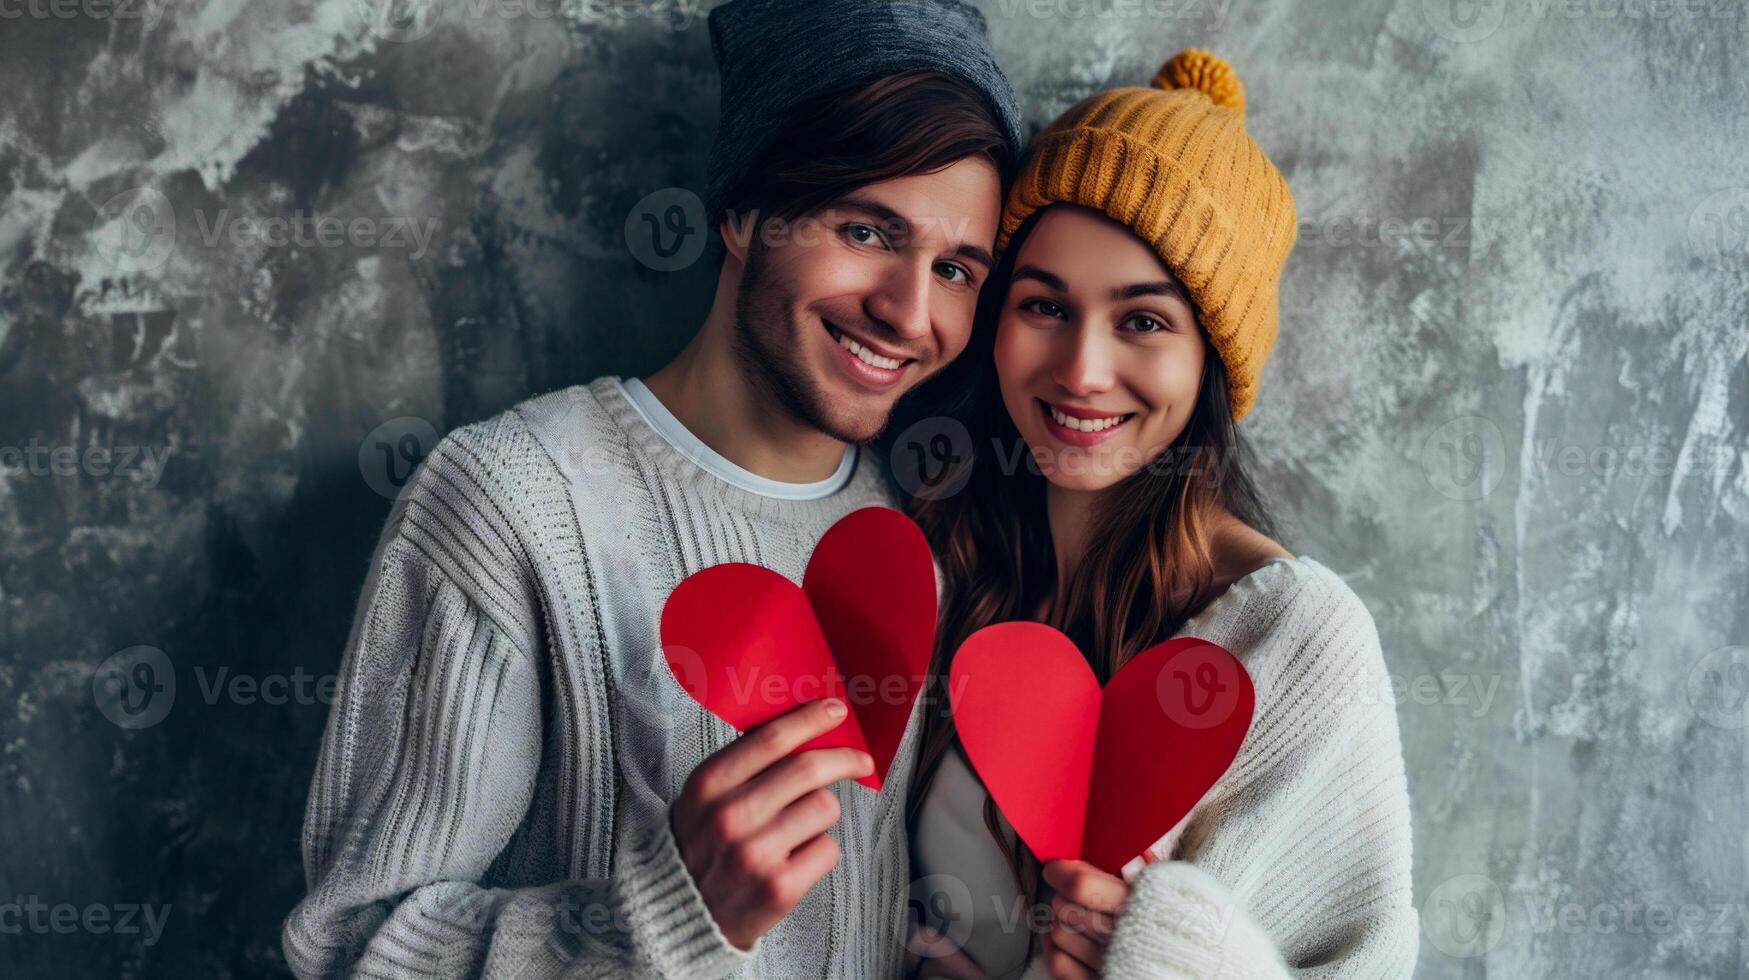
1173, 163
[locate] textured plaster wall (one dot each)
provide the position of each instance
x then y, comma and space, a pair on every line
256, 254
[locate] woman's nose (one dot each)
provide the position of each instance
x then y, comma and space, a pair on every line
1084, 364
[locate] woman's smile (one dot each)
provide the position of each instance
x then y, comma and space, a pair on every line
1078, 426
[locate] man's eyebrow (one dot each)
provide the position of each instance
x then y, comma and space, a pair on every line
894, 219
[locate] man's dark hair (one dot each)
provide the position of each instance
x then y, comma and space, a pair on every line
913, 122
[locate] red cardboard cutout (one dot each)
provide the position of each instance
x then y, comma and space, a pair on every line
748, 645
1091, 774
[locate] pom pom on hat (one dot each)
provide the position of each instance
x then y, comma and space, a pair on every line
1196, 68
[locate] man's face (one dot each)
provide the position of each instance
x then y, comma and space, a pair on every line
845, 309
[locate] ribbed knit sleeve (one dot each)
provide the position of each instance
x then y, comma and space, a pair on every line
428, 765
1297, 864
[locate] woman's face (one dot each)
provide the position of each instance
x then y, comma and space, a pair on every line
1098, 353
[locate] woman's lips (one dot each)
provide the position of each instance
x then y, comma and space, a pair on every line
1080, 416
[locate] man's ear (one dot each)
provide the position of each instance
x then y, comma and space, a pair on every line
737, 231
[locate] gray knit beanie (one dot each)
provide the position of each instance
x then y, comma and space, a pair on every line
773, 54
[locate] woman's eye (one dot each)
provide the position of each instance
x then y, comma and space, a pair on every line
1147, 324
862, 234
1043, 307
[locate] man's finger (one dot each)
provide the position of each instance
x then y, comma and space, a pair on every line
758, 748
811, 862
800, 822
792, 778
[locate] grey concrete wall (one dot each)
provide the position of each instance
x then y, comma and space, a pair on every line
1509, 404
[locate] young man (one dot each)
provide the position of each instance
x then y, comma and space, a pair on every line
511, 783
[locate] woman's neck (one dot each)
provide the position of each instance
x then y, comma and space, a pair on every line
1070, 514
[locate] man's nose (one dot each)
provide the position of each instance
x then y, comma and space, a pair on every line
902, 301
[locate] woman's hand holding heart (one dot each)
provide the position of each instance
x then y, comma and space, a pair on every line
1084, 912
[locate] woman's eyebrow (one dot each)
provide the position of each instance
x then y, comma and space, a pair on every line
1033, 272
1165, 287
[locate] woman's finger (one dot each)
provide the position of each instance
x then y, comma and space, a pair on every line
1078, 945
1096, 925
1086, 885
1061, 964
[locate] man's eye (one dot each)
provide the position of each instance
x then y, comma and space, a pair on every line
949, 270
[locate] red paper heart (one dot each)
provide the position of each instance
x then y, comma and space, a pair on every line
1090, 774
748, 645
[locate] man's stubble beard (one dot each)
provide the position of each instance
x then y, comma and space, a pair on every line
775, 367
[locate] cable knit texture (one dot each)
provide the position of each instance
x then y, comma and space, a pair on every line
1297, 862
492, 793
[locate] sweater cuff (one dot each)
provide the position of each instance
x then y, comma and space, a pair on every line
1180, 921
670, 922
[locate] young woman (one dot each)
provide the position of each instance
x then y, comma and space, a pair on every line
1120, 338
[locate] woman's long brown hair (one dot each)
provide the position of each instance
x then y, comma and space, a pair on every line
1149, 564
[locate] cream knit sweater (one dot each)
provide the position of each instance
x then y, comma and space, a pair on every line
1297, 862
492, 792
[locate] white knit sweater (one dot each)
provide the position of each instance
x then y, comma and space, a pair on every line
1297, 862
492, 791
